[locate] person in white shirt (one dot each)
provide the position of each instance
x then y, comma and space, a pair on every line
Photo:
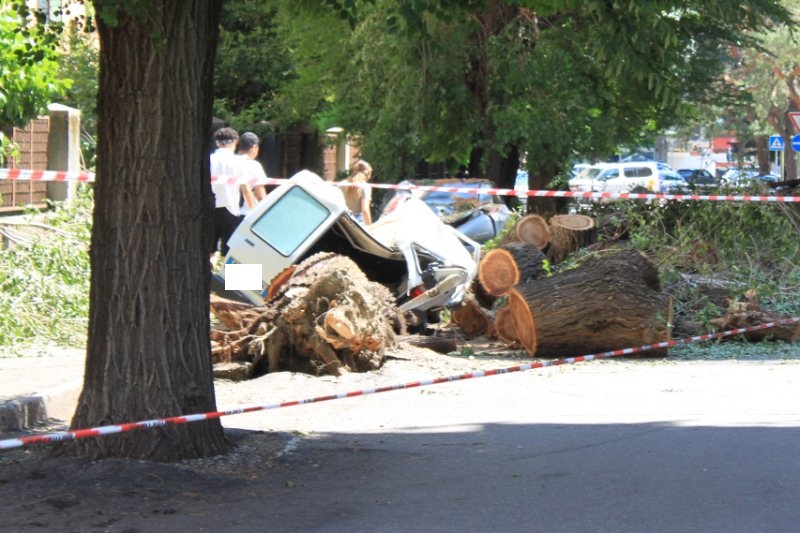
249, 145
227, 215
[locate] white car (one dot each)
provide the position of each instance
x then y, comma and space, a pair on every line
427, 264
744, 178
636, 176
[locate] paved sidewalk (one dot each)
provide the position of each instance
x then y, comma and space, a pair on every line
34, 389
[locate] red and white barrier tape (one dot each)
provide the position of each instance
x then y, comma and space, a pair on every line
125, 428
43, 175
51, 175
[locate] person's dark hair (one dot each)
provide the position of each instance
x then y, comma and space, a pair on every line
247, 140
225, 136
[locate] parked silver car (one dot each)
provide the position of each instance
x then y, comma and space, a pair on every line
479, 216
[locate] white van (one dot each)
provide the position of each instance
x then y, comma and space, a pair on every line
633, 176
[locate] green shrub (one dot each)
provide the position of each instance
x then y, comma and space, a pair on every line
45, 282
747, 245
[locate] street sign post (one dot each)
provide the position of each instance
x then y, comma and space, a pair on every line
796, 143
776, 144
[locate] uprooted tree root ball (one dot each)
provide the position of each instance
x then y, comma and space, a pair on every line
326, 318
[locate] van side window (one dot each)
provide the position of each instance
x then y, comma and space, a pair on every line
611, 173
638, 172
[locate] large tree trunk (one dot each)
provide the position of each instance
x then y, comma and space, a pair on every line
148, 348
607, 303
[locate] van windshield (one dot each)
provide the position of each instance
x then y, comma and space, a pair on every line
589, 173
288, 223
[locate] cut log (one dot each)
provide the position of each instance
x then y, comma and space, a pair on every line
604, 304
479, 293
504, 326
503, 267
570, 233
533, 229
470, 318
438, 344
324, 316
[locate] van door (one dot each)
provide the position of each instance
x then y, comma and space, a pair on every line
606, 180
641, 177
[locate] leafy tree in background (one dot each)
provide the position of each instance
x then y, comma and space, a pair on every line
79, 64
771, 75
252, 66
28, 68
435, 79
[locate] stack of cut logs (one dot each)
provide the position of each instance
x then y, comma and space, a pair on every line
610, 300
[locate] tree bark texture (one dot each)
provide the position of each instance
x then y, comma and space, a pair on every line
148, 353
604, 304
623, 259
570, 233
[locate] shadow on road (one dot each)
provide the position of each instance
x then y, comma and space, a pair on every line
659, 476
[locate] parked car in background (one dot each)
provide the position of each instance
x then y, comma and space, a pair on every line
637, 176
744, 178
521, 182
672, 182
698, 177
577, 168
480, 216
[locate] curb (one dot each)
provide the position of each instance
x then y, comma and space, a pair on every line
26, 412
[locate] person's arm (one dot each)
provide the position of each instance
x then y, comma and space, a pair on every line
248, 197
366, 201
260, 192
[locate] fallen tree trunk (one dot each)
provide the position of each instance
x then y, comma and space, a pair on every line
604, 304
329, 318
438, 344
624, 259
505, 328
570, 233
510, 264
470, 318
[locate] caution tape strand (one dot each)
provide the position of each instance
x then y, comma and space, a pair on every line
51, 175
132, 426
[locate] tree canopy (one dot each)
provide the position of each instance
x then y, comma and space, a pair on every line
488, 82
29, 78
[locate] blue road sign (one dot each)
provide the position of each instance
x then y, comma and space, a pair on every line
776, 143
796, 143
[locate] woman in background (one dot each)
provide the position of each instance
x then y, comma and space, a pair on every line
359, 197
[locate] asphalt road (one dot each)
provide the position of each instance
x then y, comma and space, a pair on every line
604, 446
601, 446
